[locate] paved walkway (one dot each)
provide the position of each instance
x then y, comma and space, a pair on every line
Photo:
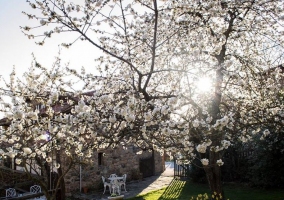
135, 188
151, 183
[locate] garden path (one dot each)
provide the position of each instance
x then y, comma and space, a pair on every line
135, 188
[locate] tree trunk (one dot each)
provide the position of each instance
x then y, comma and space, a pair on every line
61, 175
62, 185
213, 175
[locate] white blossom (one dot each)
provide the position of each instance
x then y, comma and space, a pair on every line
204, 161
201, 148
48, 159
266, 132
18, 161
148, 116
195, 123
130, 117
220, 162
112, 119
225, 143
27, 150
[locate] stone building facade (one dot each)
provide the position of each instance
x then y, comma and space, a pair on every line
130, 161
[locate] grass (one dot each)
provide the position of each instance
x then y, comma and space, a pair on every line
241, 193
184, 190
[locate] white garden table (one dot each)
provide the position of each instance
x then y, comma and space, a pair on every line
114, 183
115, 178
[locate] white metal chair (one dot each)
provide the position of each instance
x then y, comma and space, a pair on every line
115, 187
123, 182
11, 192
113, 175
106, 184
35, 189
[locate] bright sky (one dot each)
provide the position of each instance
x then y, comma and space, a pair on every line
16, 49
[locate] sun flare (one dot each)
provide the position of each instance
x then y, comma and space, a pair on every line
204, 84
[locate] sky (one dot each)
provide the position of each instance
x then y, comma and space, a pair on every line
16, 49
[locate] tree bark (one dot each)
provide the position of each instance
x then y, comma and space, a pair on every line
62, 193
214, 178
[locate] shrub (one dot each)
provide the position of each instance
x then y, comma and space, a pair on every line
267, 163
196, 173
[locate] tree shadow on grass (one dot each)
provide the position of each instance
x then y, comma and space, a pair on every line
180, 189
175, 190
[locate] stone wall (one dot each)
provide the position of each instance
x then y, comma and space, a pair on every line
110, 161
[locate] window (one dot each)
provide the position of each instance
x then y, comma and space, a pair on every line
100, 159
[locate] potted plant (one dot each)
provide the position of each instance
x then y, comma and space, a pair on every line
85, 187
86, 173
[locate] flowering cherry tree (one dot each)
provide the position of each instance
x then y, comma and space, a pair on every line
154, 55
39, 131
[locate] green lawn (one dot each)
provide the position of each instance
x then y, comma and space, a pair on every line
184, 190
